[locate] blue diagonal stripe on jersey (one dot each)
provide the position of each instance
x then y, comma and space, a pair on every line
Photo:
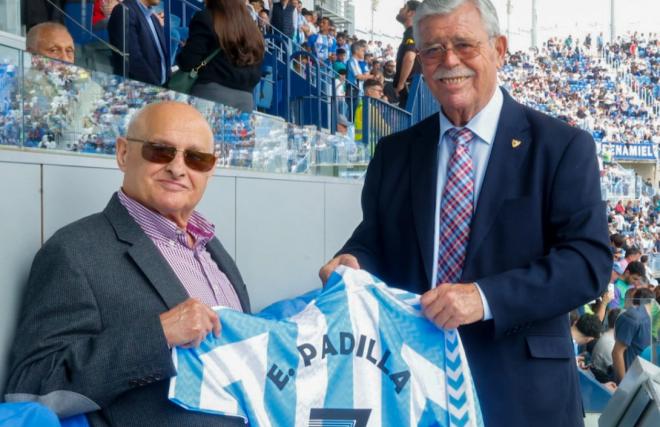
340, 322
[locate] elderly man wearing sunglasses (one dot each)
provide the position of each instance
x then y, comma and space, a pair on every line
109, 295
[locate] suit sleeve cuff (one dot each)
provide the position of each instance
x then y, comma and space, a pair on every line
488, 315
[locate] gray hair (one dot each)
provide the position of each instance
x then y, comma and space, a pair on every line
34, 35
443, 7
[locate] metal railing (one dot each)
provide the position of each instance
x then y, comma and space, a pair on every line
421, 102
617, 62
378, 119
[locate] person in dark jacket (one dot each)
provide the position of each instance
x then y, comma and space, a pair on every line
281, 17
133, 28
233, 73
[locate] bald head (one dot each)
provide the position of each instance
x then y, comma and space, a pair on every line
51, 39
174, 115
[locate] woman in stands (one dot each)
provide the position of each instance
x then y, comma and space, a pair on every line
233, 73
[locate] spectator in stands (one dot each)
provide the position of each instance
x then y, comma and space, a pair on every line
617, 240
389, 69
323, 45
101, 13
378, 126
281, 17
632, 332
601, 355
406, 66
496, 260
342, 43
340, 62
143, 39
632, 254
231, 76
357, 68
298, 21
307, 27
631, 278
51, 39
253, 9
586, 329
340, 92
263, 21
110, 295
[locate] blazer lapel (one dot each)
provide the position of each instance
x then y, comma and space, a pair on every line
227, 266
423, 181
145, 254
510, 146
161, 39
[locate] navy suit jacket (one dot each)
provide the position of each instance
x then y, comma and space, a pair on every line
144, 62
538, 248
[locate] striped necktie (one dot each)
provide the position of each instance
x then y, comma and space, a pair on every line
456, 208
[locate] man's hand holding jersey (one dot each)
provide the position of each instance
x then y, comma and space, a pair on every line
187, 324
448, 305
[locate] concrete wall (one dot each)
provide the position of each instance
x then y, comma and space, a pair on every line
279, 228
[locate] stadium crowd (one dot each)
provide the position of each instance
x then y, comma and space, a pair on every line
639, 55
564, 80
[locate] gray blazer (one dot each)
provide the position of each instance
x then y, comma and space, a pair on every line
89, 337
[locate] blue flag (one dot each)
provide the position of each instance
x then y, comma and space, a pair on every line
357, 353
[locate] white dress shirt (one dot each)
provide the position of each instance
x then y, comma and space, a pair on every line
484, 127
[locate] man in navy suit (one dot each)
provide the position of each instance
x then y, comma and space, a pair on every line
135, 30
503, 199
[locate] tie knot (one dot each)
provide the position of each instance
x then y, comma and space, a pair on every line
460, 136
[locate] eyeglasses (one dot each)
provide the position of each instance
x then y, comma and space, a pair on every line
162, 154
436, 52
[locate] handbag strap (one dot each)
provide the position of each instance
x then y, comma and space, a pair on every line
207, 60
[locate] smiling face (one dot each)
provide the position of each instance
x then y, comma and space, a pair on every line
462, 86
172, 189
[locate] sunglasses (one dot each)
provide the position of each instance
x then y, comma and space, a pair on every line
162, 154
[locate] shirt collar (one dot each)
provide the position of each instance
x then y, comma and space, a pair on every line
146, 11
484, 124
158, 227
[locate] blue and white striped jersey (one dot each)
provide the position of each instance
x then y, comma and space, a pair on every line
357, 353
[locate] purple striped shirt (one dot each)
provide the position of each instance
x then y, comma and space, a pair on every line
194, 266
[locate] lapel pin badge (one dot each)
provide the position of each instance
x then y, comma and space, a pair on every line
515, 143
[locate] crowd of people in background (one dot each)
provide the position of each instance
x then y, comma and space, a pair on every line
625, 321
566, 79
638, 54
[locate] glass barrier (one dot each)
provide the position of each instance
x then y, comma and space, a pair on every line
617, 183
11, 113
50, 105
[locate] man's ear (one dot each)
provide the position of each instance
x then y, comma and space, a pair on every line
501, 46
121, 152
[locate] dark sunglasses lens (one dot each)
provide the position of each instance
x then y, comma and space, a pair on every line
156, 153
202, 162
